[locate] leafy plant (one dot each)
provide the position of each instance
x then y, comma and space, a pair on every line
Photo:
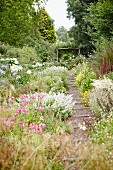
101, 97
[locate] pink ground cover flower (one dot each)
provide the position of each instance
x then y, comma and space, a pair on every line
34, 128
3, 138
11, 99
41, 95
40, 108
3, 118
7, 123
33, 96
23, 96
24, 103
21, 110
23, 124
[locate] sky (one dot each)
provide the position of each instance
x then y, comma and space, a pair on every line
57, 11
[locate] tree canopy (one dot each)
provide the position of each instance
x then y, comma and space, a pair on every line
93, 19
77, 10
62, 34
45, 26
101, 19
16, 20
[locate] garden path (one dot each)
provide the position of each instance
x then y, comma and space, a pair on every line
80, 121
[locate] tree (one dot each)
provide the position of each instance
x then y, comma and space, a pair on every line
16, 19
101, 19
77, 9
45, 26
62, 34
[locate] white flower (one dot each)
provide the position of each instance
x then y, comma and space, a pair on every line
15, 68
54, 69
10, 59
17, 77
83, 127
104, 83
16, 61
59, 103
29, 72
37, 65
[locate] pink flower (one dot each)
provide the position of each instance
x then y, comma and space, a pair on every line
21, 110
8, 123
22, 96
41, 95
11, 118
11, 100
3, 118
41, 108
3, 138
33, 96
23, 124
42, 125
24, 103
34, 128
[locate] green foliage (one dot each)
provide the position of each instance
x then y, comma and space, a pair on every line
62, 34
45, 26
55, 79
99, 151
103, 57
45, 50
77, 10
110, 75
96, 156
101, 97
3, 49
84, 77
25, 54
33, 50
16, 19
103, 130
100, 17
93, 21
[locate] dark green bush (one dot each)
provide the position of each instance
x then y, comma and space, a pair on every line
24, 55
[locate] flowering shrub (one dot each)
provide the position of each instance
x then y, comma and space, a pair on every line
31, 110
85, 97
101, 97
31, 79
84, 77
103, 130
60, 104
9, 61
52, 69
26, 126
55, 79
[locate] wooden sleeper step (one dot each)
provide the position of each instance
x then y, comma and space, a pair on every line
84, 115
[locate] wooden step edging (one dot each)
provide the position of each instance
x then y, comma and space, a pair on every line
84, 108
84, 115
